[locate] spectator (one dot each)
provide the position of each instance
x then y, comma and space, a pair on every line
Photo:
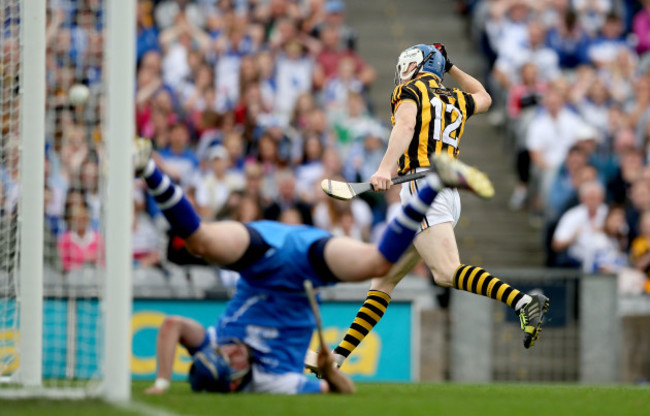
177, 42
145, 239
305, 103
287, 198
310, 170
80, 245
528, 93
507, 25
606, 47
167, 13
332, 53
592, 13
295, 75
192, 90
523, 99
630, 170
548, 151
291, 216
564, 186
249, 209
334, 15
641, 28
569, 41
365, 154
607, 251
327, 215
73, 153
338, 88
179, 161
216, 184
209, 132
577, 227
345, 224
594, 108
147, 33
640, 249
89, 182
639, 202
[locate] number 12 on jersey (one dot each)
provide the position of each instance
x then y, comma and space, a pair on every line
452, 124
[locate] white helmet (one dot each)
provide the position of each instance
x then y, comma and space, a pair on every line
427, 58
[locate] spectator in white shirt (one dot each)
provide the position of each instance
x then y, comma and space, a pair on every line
550, 135
579, 225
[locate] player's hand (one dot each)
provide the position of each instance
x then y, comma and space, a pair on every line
381, 180
325, 361
443, 51
337, 381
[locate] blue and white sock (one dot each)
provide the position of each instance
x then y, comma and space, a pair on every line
171, 201
401, 231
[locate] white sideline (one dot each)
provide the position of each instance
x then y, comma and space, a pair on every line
144, 409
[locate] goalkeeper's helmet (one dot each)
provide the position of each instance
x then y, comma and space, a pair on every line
428, 59
212, 370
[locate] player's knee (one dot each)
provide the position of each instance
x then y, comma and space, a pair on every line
170, 323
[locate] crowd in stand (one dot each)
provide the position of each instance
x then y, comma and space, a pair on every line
249, 104
571, 79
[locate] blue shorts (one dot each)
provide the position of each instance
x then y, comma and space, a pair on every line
289, 255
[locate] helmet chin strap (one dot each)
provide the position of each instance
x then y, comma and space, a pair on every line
421, 64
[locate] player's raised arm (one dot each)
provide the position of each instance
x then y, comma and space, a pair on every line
399, 140
467, 83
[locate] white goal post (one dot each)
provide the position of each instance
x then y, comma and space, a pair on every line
64, 332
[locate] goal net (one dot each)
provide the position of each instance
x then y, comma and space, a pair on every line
69, 359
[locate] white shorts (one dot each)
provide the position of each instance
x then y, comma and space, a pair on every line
445, 208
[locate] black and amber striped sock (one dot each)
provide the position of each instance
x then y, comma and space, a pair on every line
476, 280
370, 313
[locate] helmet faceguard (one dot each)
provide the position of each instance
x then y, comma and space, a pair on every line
223, 369
427, 58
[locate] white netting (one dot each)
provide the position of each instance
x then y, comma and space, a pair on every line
73, 226
9, 183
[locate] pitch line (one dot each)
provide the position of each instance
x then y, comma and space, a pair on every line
146, 409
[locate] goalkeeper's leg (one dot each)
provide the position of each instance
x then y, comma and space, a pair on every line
222, 243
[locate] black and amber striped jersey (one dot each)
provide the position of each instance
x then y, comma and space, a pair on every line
440, 122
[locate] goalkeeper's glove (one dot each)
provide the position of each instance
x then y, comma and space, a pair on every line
443, 51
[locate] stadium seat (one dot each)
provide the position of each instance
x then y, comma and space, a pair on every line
150, 282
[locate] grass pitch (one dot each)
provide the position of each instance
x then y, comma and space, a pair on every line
371, 399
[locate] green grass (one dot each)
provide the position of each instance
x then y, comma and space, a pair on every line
374, 399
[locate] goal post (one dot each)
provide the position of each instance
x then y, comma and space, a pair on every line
32, 126
120, 133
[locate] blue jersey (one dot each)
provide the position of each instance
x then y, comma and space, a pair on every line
270, 311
